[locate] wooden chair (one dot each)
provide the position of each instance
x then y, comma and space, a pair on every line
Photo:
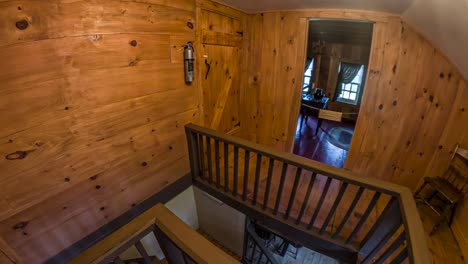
450, 188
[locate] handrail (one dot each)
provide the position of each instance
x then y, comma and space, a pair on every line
294, 160
177, 240
211, 166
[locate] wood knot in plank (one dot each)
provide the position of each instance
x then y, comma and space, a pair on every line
22, 24
95, 38
133, 43
20, 154
20, 225
190, 25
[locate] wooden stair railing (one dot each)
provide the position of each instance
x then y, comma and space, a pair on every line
179, 242
332, 211
254, 248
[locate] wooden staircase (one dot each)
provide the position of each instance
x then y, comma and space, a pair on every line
330, 210
179, 242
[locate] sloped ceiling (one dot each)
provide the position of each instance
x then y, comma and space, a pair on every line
443, 22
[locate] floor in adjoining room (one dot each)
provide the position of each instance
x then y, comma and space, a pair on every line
319, 147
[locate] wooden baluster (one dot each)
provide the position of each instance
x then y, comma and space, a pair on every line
201, 151
381, 244
226, 167
268, 183
143, 253
293, 193
208, 156
401, 257
390, 219
348, 213
364, 217
246, 174
218, 171
320, 203
343, 187
280, 188
236, 170
118, 260
394, 246
193, 152
257, 178
306, 198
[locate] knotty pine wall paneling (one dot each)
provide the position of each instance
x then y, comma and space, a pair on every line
407, 101
93, 102
275, 61
332, 54
413, 110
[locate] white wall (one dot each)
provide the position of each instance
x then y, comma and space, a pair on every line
199, 210
220, 221
183, 205
445, 24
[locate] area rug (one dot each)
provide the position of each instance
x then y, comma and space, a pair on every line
340, 137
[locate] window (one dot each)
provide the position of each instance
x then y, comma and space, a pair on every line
350, 91
308, 77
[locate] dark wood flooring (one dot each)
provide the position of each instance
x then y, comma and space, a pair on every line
318, 147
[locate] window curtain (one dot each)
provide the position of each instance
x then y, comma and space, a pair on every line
348, 72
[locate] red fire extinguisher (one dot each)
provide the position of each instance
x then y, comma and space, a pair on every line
188, 61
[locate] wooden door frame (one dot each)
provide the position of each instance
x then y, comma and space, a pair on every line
307, 15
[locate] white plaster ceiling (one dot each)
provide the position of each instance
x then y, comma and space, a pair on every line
443, 22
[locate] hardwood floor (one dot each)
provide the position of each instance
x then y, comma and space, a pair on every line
318, 147
443, 246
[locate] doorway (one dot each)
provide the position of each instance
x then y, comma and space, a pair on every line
334, 80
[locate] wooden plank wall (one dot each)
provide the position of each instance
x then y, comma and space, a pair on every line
413, 111
331, 54
408, 98
93, 97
